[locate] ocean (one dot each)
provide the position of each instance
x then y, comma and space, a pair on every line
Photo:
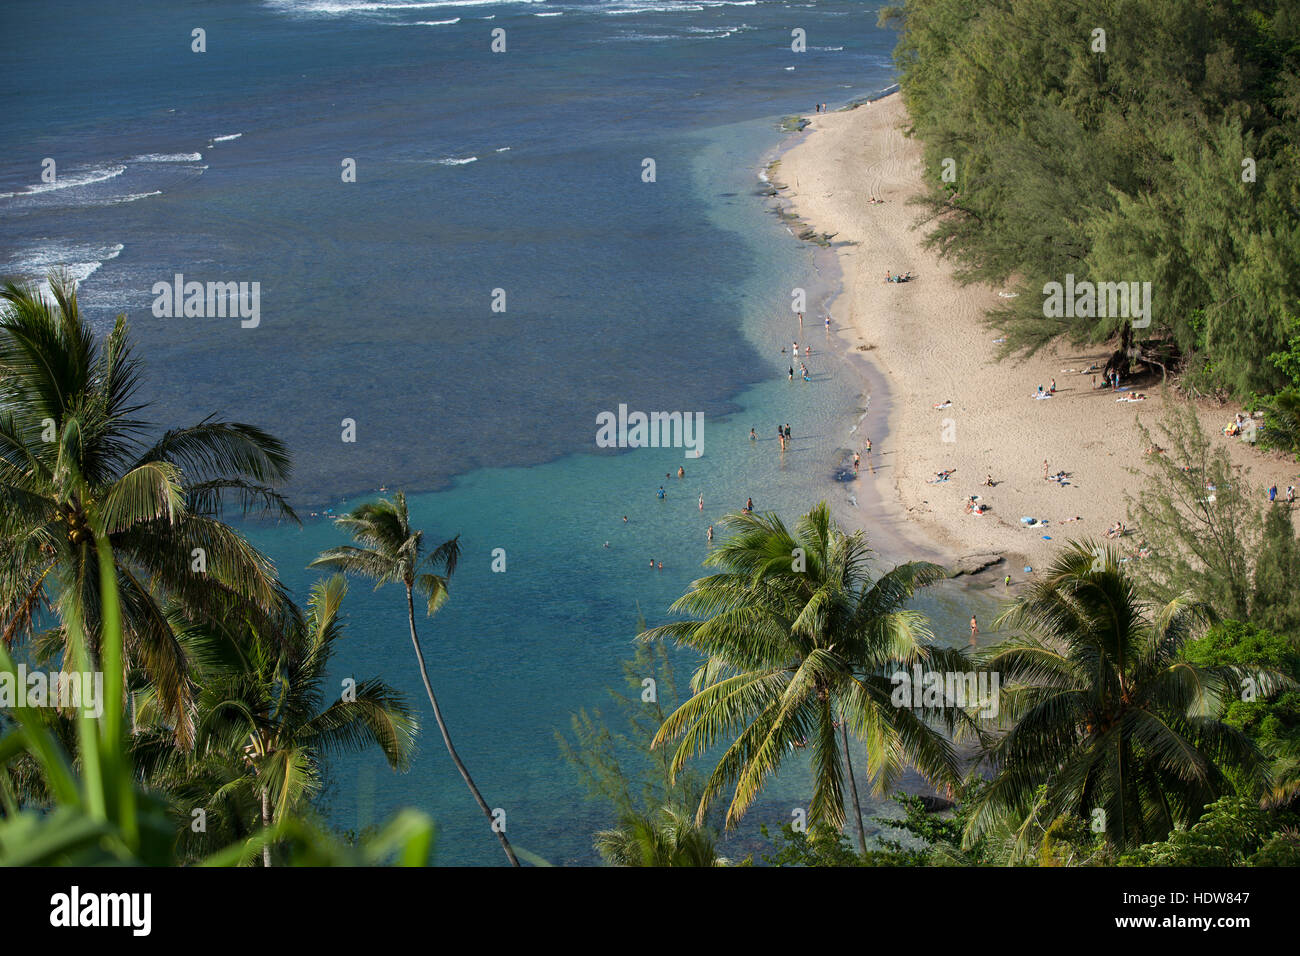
497, 272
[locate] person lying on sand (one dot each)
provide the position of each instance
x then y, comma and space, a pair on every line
947, 403
940, 476
1116, 530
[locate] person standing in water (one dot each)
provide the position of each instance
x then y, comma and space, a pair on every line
709, 534
701, 501
753, 436
749, 505
974, 629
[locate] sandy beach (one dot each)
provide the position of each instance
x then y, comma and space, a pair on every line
929, 339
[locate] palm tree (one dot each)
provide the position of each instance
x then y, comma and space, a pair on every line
263, 732
800, 646
393, 551
670, 837
72, 444
1108, 720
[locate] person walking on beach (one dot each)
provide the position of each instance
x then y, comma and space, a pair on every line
868, 446
857, 461
1290, 494
1044, 468
801, 321
974, 629
787, 430
1272, 493
828, 323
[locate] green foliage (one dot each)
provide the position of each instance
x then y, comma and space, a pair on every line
1120, 165
667, 837
825, 846
1102, 717
1275, 600
266, 725
1198, 515
1233, 832
1270, 713
71, 443
799, 643
100, 816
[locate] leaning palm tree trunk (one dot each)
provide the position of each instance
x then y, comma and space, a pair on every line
446, 737
266, 822
853, 786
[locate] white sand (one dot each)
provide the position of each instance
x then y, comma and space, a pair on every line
930, 340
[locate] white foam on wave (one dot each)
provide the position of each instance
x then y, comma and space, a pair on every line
71, 180
80, 260
454, 161
167, 158
651, 8
226, 139
131, 198
504, 149
558, 13
622, 7
429, 23
346, 7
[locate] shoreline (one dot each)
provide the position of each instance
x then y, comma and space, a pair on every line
929, 344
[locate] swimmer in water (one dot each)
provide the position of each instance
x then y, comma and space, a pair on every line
701, 501
752, 435
710, 534
681, 472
